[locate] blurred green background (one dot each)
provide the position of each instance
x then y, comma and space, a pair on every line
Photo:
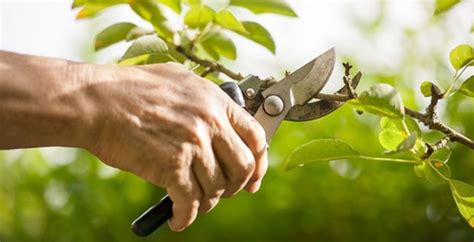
65, 194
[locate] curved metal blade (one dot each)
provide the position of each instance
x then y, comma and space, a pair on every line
296, 89
320, 108
308, 80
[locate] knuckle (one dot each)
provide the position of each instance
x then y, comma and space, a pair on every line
215, 193
258, 136
208, 204
194, 205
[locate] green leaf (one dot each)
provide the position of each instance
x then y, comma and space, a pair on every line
330, 149
425, 88
381, 99
467, 87
149, 44
268, 6
146, 9
192, 2
149, 10
408, 143
137, 60
463, 194
420, 169
148, 59
320, 150
199, 16
226, 19
113, 34
91, 10
435, 170
442, 155
78, 3
461, 55
174, 5
138, 32
216, 44
444, 5
258, 34
161, 26
394, 136
390, 139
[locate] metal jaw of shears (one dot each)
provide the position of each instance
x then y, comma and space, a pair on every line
288, 99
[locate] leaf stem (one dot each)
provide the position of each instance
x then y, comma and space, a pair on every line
405, 127
389, 159
457, 75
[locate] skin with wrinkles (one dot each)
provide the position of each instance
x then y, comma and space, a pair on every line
160, 122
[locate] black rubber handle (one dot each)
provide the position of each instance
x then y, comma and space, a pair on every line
154, 217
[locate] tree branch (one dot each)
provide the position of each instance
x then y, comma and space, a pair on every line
209, 64
429, 118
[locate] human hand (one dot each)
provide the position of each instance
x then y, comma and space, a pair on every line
178, 131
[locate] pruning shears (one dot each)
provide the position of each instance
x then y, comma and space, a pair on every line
288, 99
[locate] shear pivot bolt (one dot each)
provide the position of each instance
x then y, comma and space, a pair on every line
250, 93
273, 105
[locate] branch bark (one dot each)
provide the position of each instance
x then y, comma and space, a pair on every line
212, 66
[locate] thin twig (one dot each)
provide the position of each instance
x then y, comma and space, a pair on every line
348, 80
437, 146
333, 97
209, 64
436, 95
207, 72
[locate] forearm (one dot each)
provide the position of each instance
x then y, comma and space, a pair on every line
42, 102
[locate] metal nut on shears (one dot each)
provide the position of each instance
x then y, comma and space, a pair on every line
273, 105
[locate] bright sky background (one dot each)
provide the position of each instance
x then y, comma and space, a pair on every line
49, 28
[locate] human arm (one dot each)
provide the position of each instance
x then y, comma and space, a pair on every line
160, 122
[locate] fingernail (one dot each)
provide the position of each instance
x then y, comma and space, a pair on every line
173, 228
255, 187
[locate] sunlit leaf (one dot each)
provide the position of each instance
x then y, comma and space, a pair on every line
437, 172
175, 5
138, 32
113, 34
320, 150
442, 155
148, 59
408, 143
268, 6
258, 34
226, 19
381, 99
199, 16
425, 88
146, 9
192, 2
390, 139
467, 87
330, 149
149, 44
217, 44
461, 55
420, 169
463, 194
137, 60
394, 137
161, 26
444, 5
78, 3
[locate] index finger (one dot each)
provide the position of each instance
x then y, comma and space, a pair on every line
253, 135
